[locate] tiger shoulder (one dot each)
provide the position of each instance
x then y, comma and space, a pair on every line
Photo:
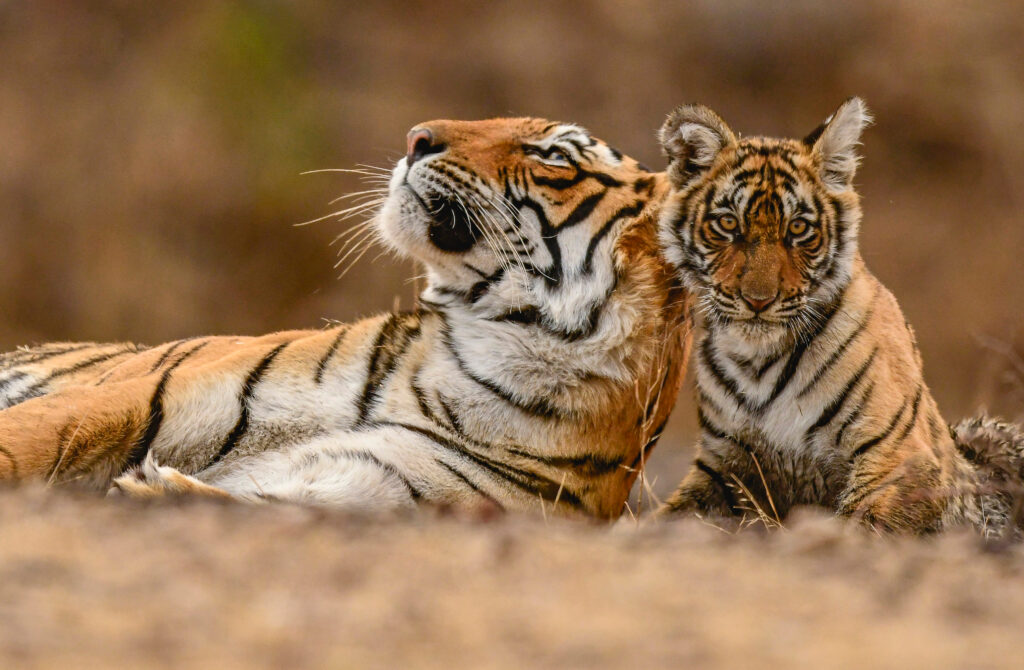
537, 372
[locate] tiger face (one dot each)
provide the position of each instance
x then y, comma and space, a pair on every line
516, 218
762, 230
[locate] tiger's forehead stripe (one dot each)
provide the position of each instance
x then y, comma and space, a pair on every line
578, 142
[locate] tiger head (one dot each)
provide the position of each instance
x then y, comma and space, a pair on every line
764, 231
520, 220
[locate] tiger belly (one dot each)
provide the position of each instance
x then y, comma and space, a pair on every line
382, 469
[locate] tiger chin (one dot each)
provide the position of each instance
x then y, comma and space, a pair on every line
809, 379
537, 372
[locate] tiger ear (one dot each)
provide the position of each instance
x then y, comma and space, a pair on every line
691, 138
834, 143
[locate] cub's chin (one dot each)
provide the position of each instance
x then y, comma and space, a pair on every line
758, 326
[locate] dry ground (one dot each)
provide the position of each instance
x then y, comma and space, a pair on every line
93, 583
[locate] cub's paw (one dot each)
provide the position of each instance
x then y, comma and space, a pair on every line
152, 480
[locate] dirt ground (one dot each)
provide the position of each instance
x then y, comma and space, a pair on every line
93, 583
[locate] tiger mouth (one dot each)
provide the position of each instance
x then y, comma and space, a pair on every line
451, 228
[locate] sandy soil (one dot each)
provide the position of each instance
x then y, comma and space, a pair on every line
93, 583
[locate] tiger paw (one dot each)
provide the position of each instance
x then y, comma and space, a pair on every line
152, 480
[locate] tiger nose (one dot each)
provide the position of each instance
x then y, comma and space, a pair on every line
757, 303
420, 142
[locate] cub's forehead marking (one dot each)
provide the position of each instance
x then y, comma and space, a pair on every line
737, 189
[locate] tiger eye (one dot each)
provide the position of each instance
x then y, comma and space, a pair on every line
797, 227
728, 223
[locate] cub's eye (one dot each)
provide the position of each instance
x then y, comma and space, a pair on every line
728, 223
557, 156
798, 227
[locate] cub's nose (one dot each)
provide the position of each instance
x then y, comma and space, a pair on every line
757, 303
420, 142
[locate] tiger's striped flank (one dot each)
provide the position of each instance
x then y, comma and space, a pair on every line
542, 361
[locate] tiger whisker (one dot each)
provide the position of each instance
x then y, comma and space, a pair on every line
350, 233
378, 192
355, 260
366, 239
344, 213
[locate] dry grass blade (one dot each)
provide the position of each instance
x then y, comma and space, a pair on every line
755, 508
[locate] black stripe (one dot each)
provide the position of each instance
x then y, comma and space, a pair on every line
421, 399
479, 289
538, 407
727, 383
530, 482
395, 335
798, 352
644, 184
549, 236
322, 365
248, 389
414, 493
705, 400
711, 429
526, 316
466, 480
36, 388
645, 450
167, 354
453, 418
756, 373
156, 413
843, 347
582, 210
840, 237
836, 355
652, 441
629, 211
719, 480
32, 356
586, 465
854, 413
884, 434
839, 399
913, 414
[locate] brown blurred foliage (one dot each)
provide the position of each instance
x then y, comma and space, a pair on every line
150, 153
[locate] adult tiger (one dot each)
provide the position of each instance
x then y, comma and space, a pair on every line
809, 379
538, 371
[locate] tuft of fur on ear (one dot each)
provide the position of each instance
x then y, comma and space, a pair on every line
834, 143
691, 138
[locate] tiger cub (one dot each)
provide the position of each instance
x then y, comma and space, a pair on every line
809, 379
538, 371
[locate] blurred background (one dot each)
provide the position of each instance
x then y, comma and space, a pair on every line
150, 153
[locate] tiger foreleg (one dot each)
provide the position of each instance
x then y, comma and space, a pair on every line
910, 496
703, 492
152, 480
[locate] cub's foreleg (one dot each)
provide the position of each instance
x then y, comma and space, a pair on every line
703, 491
904, 490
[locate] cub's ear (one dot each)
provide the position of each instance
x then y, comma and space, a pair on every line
691, 138
834, 143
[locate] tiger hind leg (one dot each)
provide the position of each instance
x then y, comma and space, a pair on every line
152, 480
